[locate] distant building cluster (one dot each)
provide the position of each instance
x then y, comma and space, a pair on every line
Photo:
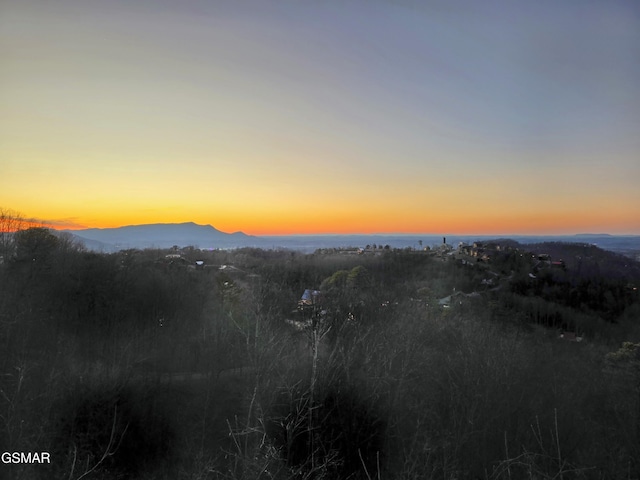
486, 252
483, 252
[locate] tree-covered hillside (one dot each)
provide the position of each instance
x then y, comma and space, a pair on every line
493, 361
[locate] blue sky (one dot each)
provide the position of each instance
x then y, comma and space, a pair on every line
512, 117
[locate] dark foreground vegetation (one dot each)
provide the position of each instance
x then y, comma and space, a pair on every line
183, 364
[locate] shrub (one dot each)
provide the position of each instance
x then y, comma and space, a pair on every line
117, 432
340, 434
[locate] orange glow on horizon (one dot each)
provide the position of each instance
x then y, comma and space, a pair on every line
532, 224
274, 124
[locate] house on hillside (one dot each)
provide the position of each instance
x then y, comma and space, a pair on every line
446, 302
467, 250
310, 305
310, 298
230, 269
173, 259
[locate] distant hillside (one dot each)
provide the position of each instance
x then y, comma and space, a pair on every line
166, 235
628, 245
93, 245
163, 235
588, 260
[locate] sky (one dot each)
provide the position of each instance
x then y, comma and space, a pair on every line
334, 116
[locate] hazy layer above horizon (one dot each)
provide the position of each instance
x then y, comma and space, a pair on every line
282, 117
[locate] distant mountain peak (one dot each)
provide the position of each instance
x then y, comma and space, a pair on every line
593, 235
166, 235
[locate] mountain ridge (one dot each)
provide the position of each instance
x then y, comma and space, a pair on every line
161, 235
167, 235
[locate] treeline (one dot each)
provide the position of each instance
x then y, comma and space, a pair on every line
189, 364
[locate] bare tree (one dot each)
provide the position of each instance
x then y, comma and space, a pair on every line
10, 222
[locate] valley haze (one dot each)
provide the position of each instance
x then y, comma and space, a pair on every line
167, 235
